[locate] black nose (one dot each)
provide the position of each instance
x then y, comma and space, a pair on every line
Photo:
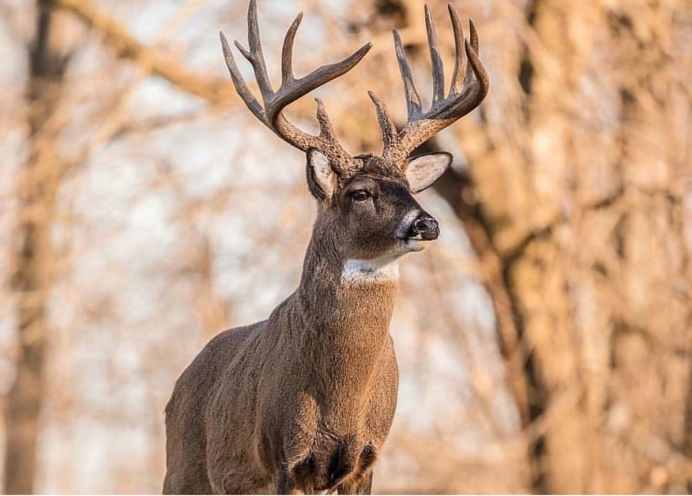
426, 227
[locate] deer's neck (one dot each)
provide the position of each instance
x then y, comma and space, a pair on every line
360, 293
345, 306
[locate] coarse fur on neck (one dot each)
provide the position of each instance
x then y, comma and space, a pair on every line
335, 281
346, 306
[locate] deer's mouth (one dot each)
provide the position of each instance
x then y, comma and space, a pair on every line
414, 241
415, 244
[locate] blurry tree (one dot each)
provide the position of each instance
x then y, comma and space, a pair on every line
32, 255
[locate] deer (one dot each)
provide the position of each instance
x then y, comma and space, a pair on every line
304, 400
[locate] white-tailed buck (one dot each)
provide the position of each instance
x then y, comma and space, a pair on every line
304, 400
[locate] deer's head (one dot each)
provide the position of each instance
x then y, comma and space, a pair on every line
366, 202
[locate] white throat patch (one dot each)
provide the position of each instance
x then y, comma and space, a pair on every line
369, 271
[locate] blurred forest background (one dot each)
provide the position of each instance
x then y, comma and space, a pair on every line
544, 340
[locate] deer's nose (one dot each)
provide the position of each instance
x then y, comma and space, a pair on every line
426, 227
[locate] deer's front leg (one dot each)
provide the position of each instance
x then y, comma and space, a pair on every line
362, 486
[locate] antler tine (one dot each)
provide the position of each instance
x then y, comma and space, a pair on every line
291, 89
481, 85
460, 59
413, 103
389, 132
437, 66
463, 96
326, 129
475, 45
255, 55
239, 83
287, 53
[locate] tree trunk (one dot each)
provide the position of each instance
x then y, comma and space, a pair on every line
597, 283
32, 260
595, 260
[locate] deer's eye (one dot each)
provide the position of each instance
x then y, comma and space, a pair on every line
360, 195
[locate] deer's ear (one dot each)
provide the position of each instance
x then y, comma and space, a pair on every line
321, 176
424, 170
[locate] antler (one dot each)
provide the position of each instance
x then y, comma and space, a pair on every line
467, 90
291, 89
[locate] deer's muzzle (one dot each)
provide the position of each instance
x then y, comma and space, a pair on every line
422, 227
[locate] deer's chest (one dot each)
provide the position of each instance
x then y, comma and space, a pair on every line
337, 437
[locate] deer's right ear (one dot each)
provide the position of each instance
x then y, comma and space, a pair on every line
422, 171
321, 176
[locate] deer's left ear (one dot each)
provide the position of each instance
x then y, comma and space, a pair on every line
424, 170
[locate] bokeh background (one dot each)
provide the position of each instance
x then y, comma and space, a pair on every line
544, 340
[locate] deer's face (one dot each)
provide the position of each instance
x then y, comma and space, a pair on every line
373, 213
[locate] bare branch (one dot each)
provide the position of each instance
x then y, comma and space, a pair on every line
127, 46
